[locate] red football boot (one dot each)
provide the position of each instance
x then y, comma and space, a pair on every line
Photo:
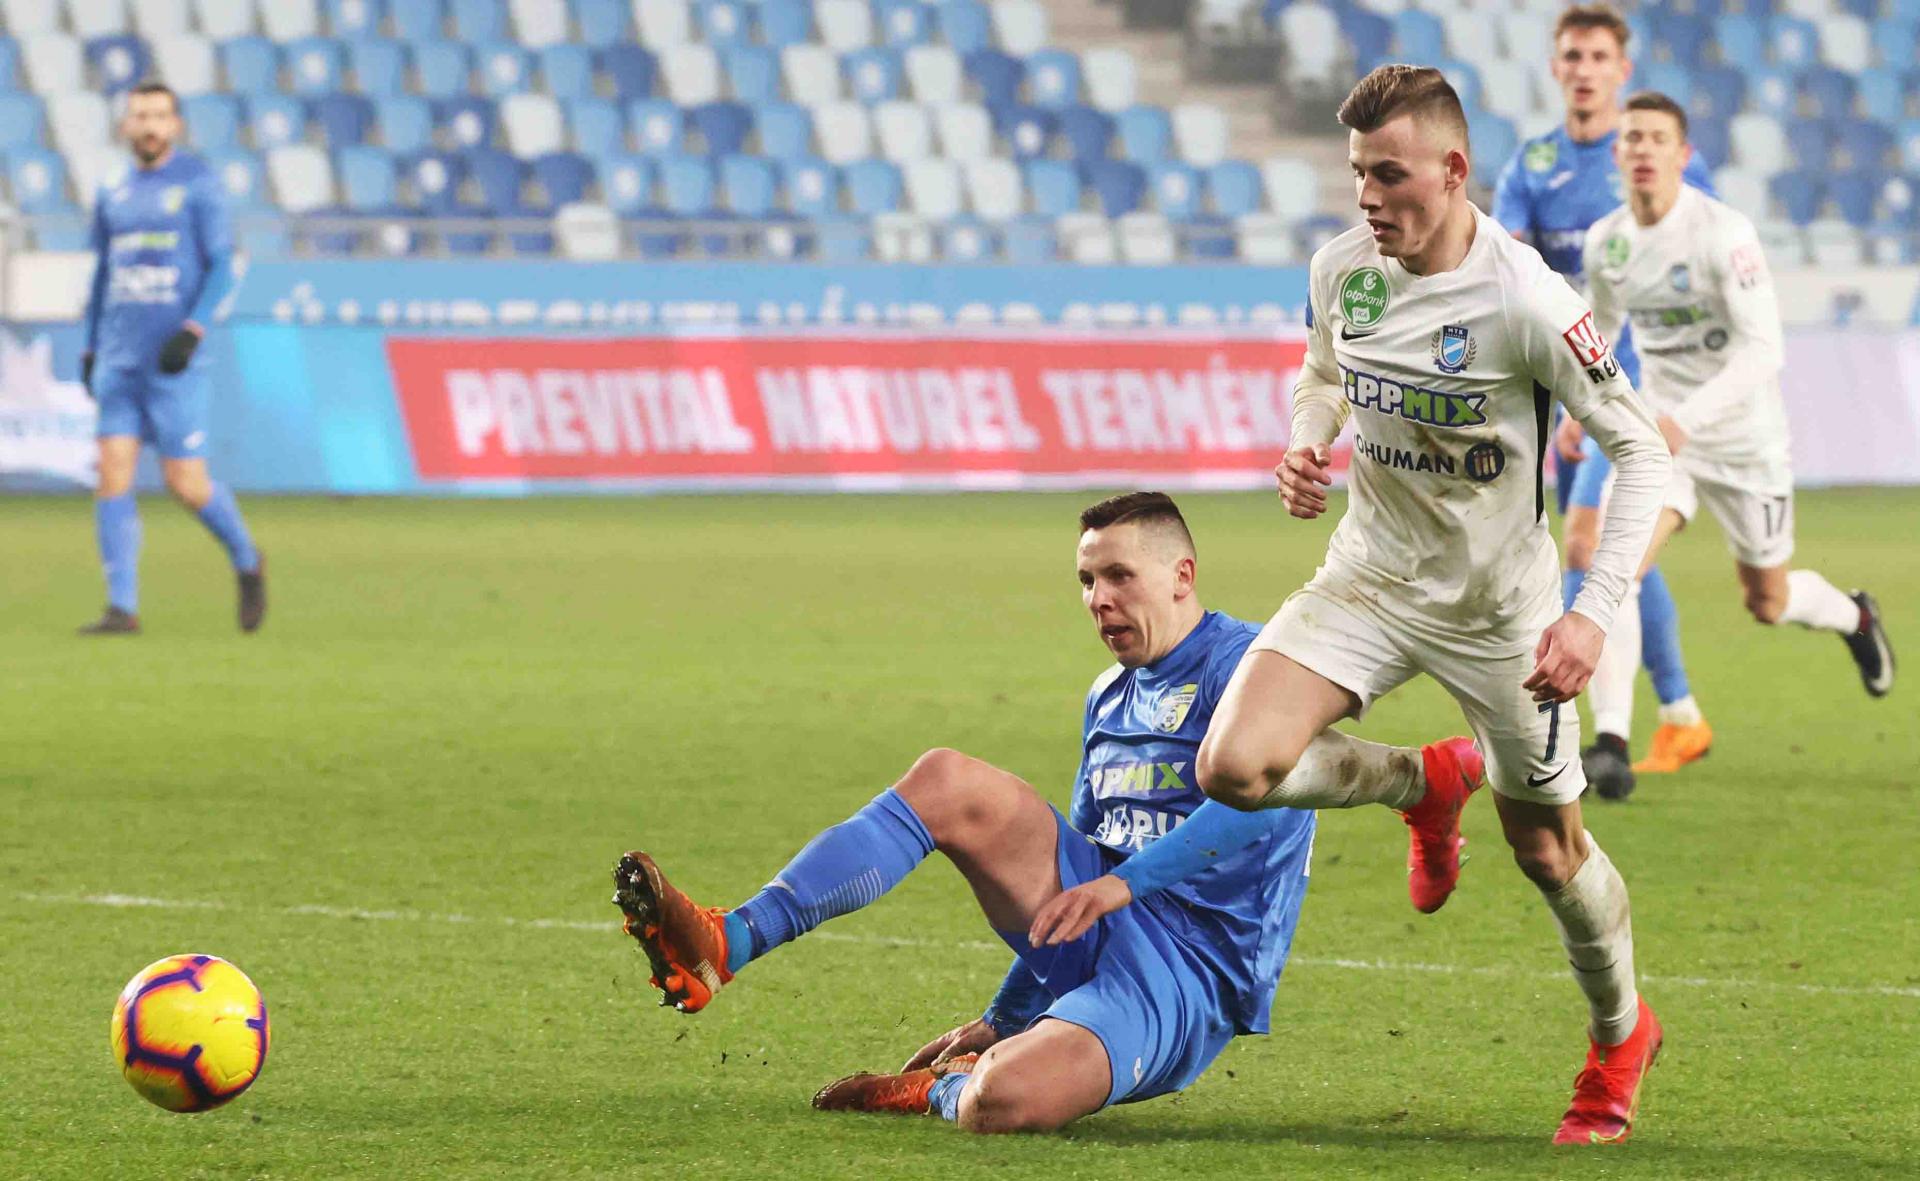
1607, 1091
1455, 770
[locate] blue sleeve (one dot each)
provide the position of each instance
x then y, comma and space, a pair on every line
1699, 175
97, 288
1211, 834
1019, 1002
1511, 207
223, 265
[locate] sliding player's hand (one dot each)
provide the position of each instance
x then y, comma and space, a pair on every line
971, 1038
178, 351
1303, 475
1565, 657
1072, 913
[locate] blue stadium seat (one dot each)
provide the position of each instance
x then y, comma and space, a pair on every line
596, 126
603, 23
213, 121
965, 25
1907, 135
1773, 92
314, 65
1464, 79
1863, 143
1685, 35
786, 131
658, 127
435, 178
478, 21
1120, 185
564, 177
343, 118
1800, 194
1883, 94
1177, 191
1419, 36
812, 186
275, 120
723, 126
38, 178
997, 74
627, 184
843, 240
903, 23
367, 178
1718, 92
379, 67
118, 61
420, 20
873, 186
872, 75
1054, 186
1030, 240
23, 118
241, 178
1900, 203
725, 22
405, 123
1669, 78
1711, 139
786, 22
1089, 133
968, 239
1793, 41
1146, 134
1370, 34
1314, 232
1235, 188
632, 69
1211, 237
1053, 78
567, 71
503, 68
748, 185
468, 122
1742, 39
442, 67
1494, 141
1828, 91
1897, 41
1027, 130
10, 61
1857, 195
1810, 141
753, 72
499, 177
469, 242
355, 18
252, 65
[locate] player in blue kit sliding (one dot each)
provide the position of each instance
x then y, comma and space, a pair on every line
1555, 187
165, 270
1094, 1010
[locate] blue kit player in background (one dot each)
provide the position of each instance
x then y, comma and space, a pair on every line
1554, 188
1097, 1008
165, 270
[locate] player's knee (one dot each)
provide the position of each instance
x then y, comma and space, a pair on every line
191, 490
1237, 778
953, 802
1547, 863
1764, 605
998, 1101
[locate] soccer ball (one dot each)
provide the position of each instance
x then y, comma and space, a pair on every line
190, 1032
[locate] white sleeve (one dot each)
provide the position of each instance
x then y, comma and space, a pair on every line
1569, 356
1754, 351
1320, 406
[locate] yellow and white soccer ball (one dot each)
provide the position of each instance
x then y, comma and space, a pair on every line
190, 1032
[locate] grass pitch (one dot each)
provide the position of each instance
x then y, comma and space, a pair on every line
397, 806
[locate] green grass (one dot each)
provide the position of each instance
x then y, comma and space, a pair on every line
469, 709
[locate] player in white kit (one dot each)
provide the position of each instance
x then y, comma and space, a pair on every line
1688, 272
1447, 341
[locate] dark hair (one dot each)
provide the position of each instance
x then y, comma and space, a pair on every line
1421, 91
1653, 100
1594, 16
1138, 508
152, 86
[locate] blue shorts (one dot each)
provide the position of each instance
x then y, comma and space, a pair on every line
1590, 478
168, 411
1159, 1010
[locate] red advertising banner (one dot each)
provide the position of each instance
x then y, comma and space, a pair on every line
757, 408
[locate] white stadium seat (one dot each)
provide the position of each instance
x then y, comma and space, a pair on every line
904, 131
162, 18
812, 74
540, 23
285, 20
53, 62
1528, 37
96, 18
302, 177
586, 232
1831, 242
221, 20
933, 74
1147, 240
99, 167
1507, 90
1742, 188
933, 188
902, 237
1266, 239
844, 25
1200, 133
1293, 187
1111, 79
533, 124
185, 62
1846, 43
1020, 26
662, 23
28, 18
1758, 143
80, 121
1387, 7
1315, 46
966, 131
843, 131
1085, 237
691, 74
995, 190
1469, 37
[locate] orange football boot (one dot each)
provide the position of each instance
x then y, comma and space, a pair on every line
686, 944
1454, 770
910, 1093
1607, 1091
1676, 746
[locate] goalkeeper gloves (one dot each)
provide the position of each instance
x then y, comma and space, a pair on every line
178, 350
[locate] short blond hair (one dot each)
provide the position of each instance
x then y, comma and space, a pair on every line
1594, 16
1391, 91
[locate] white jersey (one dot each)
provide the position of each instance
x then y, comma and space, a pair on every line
1705, 319
1450, 379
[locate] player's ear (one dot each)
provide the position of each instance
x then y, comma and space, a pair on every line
1459, 168
1183, 574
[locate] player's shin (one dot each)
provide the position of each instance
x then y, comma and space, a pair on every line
117, 528
1610, 692
1340, 771
1597, 930
221, 516
945, 1097
1660, 640
1813, 602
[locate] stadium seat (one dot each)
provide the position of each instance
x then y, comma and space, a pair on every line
1085, 238
967, 239
566, 71
903, 23
434, 179
603, 23
1266, 239
659, 129
934, 74
904, 131
872, 75
1293, 188
1773, 92
443, 68
691, 74
533, 125
351, 19
844, 25
1200, 133
1856, 194
1145, 239
595, 127
405, 123
1234, 186
275, 120
785, 22
468, 122
563, 177
1718, 92
1418, 36
1668, 78
1111, 79
379, 68
22, 120
38, 179
1020, 26
627, 184
1028, 131
995, 189
213, 121
1864, 144
997, 74
367, 178
965, 130
586, 232
1209, 237
812, 187
965, 26
753, 73
748, 185
503, 69
10, 78
289, 20
87, 19
1896, 41
1800, 194
186, 63
1494, 141
723, 126
540, 24
420, 21
844, 131
873, 186
153, 19
1883, 94
1054, 186
1088, 133
1758, 143
1119, 184
724, 23
478, 22
313, 65
302, 178
1829, 92
343, 119
902, 237
786, 131
1846, 42
1710, 140
1684, 34
811, 73
118, 61
632, 70
1742, 39
1466, 37
663, 24
1316, 41
1030, 240
53, 63
242, 179
499, 177
1146, 134
223, 20
1741, 188
1177, 191
1793, 41
1053, 79
933, 188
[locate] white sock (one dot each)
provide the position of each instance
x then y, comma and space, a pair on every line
1610, 692
1340, 771
1814, 602
1684, 712
1597, 931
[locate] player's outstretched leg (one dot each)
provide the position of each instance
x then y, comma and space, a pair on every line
212, 503
907, 1093
116, 528
685, 944
1453, 770
1683, 734
1777, 595
1606, 1092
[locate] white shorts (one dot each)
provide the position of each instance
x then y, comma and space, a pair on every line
1532, 753
1753, 503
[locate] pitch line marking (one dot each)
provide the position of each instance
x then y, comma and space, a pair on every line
1402, 967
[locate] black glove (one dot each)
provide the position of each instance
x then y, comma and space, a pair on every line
178, 350
86, 373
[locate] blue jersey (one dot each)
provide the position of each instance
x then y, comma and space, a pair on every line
163, 255
1136, 783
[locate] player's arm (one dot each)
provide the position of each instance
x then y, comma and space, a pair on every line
1017, 1004
221, 268
1512, 207
1754, 350
96, 290
1320, 409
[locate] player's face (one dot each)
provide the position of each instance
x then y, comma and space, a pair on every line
151, 126
1133, 587
1401, 176
1591, 67
1651, 152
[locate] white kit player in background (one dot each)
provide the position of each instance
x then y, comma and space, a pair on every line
1689, 274
1447, 341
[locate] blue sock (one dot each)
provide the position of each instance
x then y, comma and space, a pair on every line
946, 1095
116, 524
841, 870
221, 516
1570, 583
1660, 639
